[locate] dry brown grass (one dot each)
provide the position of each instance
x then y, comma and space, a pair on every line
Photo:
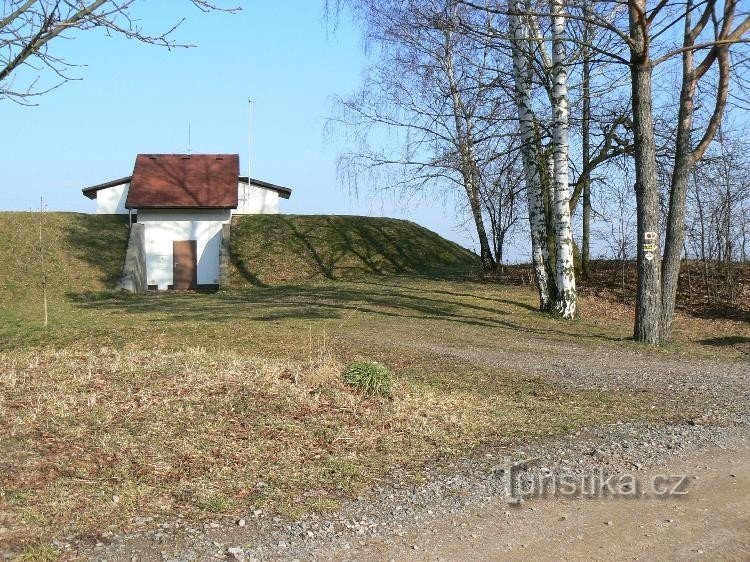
92, 438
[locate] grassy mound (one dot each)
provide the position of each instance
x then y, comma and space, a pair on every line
81, 253
268, 249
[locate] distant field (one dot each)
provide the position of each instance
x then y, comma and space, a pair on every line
203, 404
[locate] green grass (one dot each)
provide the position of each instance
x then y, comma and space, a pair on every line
81, 253
38, 553
369, 377
205, 404
272, 249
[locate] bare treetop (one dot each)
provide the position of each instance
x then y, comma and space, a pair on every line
27, 28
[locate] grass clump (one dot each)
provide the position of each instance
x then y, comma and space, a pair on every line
215, 503
369, 378
38, 553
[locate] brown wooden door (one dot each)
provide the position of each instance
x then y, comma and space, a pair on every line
185, 264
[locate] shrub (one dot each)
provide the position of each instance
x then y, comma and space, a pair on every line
369, 377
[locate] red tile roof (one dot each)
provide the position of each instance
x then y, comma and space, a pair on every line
170, 181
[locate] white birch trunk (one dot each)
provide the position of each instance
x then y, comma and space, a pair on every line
540, 254
566, 283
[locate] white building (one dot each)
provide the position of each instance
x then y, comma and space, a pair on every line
180, 207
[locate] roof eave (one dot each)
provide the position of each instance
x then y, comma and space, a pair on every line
284, 192
90, 192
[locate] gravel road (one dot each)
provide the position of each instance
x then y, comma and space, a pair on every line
464, 509
398, 518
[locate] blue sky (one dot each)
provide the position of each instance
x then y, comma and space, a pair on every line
137, 98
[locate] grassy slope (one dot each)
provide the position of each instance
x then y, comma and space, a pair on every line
270, 249
82, 253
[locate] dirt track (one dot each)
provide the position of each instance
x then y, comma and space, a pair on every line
712, 522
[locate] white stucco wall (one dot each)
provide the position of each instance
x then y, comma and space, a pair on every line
163, 227
254, 200
111, 201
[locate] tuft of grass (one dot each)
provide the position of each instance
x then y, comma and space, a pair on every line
38, 553
369, 377
15, 496
214, 503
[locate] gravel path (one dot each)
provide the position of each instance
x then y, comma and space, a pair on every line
404, 506
400, 508
708, 520
723, 385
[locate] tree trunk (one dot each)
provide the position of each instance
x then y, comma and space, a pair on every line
471, 181
534, 193
546, 166
465, 136
683, 166
499, 245
565, 305
586, 154
648, 293
488, 262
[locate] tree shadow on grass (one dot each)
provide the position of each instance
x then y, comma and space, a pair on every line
457, 275
290, 248
101, 242
319, 302
725, 341
717, 312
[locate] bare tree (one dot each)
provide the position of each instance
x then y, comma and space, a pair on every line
501, 192
566, 282
28, 29
616, 218
521, 46
649, 38
716, 214
537, 35
657, 290
431, 92
529, 48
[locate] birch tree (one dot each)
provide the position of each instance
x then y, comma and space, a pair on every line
520, 41
527, 42
430, 93
710, 29
565, 304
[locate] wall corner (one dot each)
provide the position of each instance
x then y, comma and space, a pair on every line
133, 277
